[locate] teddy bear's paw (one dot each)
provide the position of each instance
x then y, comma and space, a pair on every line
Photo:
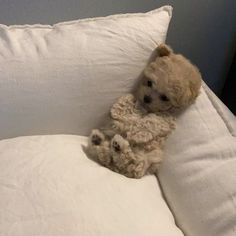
119, 144
97, 137
116, 146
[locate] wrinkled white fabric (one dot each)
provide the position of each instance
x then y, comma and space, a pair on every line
63, 78
49, 187
198, 175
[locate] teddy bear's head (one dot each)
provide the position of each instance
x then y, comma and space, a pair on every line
170, 82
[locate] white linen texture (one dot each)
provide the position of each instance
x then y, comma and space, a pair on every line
198, 174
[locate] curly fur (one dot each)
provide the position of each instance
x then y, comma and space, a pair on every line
132, 142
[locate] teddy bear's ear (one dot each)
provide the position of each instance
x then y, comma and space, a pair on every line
164, 50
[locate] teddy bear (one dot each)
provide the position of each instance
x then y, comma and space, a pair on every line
132, 142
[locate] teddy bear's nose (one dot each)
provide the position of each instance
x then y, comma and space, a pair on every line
147, 99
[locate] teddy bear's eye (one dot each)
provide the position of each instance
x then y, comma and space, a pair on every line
149, 83
164, 98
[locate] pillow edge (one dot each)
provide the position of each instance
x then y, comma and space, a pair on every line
165, 8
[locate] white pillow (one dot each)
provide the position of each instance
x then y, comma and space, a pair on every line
63, 78
49, 187
198, 175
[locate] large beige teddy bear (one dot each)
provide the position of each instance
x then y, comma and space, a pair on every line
132, 142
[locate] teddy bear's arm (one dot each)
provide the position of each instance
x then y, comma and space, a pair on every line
123, 107
139, 136
149, 128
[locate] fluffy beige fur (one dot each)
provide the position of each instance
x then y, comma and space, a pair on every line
132, 142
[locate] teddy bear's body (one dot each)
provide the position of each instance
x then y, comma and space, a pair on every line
131, 135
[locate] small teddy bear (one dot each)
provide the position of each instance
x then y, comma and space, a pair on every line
132, 142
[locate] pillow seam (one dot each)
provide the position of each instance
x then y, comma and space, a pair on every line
228, 126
